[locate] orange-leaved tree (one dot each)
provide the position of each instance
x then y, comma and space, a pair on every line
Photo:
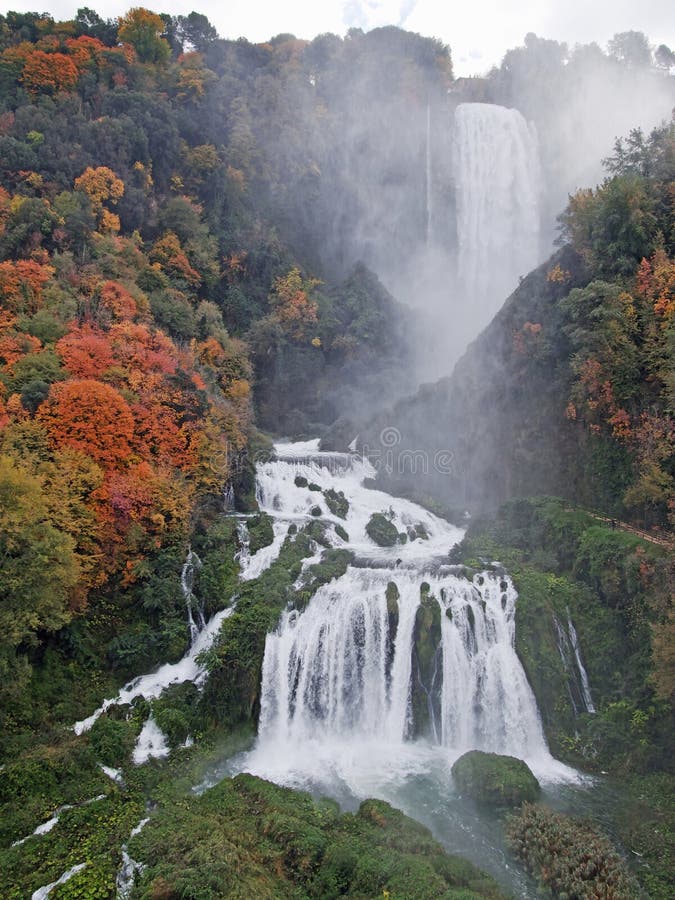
86, 352
102, 186
21, 284
91, 417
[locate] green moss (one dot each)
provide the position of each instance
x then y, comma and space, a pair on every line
495, 780
427, 664
341, 533
249, 838
234, 662
337, 503
315, 511
334, 563
300, 481
313, 486
261, 532
380, 530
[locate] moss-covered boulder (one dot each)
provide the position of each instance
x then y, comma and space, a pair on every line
495, 780
337, 503
381, 530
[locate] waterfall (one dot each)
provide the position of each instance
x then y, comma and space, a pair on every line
497, 180
429, 185
187, 577
333, 671
228, 498
126, 875
578, 686
401, 652
585, 686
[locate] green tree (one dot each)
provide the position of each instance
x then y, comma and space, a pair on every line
143, 30
631, 48
39, 567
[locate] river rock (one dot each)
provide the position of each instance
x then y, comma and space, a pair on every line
495, 780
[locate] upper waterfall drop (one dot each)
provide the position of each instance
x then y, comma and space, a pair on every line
498, 182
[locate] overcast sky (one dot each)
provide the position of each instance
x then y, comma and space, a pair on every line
478, 31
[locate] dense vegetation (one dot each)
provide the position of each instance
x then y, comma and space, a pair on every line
617, 589
258, 840
151, 287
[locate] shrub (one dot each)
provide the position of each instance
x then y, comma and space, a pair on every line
568, 856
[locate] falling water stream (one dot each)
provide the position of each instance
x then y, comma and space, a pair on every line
498, 182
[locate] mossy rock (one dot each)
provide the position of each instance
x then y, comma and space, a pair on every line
426, 665
315, 511
301, 481
334, 563
495, 780
381, 530
313, 486
260, 531
341, 533
337, 503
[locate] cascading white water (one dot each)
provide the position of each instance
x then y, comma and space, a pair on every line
497, 180
487, 702
428, 180
585, 686
195, 614
339, 678
578, 685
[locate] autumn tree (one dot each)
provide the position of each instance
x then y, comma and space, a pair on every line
85, 352
102, 186
22, 283
49, 72
91, 417
293, 305
143, 30
171, 256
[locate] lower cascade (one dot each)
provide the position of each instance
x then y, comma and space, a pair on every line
350, 665
402, 657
